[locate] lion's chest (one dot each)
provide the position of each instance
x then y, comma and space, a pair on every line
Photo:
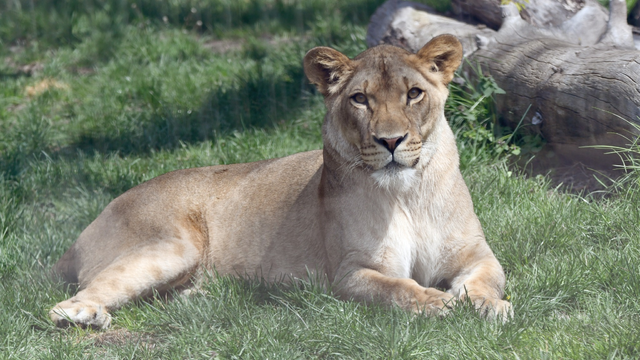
413, 245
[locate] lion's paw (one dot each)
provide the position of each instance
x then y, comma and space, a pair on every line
434, 302
81, 313
496, 310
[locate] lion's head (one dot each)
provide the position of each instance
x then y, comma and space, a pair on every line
383, 104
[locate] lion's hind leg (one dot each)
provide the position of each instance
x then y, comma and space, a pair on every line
130, 276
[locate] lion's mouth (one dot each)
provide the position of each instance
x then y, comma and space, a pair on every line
394, 168
396, 165
390, 163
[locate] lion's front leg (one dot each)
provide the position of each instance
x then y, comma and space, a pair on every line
368, 285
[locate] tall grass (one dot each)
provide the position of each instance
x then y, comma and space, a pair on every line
629, 160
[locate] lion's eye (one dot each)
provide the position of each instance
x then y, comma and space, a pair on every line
359, 98
414, 93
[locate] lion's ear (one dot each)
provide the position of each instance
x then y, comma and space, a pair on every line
327, 68
446, 52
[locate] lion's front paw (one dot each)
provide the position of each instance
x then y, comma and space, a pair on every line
81, 313
495, 309
434, 302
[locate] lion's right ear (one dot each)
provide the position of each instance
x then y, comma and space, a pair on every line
328, 69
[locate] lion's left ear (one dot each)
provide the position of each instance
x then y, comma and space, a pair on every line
327, 68
446, 52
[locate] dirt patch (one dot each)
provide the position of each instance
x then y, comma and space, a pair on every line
30, 69
16, 107
83, 71
119, 337
228, 45
223, 46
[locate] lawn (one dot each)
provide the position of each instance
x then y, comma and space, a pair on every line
99, 96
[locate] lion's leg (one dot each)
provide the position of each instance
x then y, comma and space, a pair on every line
482, 283
130, 276
370, 285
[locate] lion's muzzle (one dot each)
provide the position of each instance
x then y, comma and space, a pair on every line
392, 153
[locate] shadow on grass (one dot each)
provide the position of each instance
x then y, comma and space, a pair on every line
259, 100
66, 22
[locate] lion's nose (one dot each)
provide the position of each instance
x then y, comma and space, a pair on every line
390, 143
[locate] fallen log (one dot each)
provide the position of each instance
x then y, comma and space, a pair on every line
581, 90
540, 13
588, 26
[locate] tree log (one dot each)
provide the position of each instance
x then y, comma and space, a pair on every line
408, 24
578, 90
550, 13
541, 13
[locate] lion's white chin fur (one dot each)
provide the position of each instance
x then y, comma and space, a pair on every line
396, 178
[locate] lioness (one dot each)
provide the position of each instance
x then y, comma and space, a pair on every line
382, 211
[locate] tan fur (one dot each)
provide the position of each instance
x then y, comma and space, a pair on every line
380, 226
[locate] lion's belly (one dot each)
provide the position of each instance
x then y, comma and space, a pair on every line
265, 248
268, 225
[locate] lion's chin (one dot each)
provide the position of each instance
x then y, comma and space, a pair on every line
395, 177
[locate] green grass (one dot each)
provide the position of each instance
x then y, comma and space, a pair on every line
139, 96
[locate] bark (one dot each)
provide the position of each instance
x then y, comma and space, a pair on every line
578, 89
